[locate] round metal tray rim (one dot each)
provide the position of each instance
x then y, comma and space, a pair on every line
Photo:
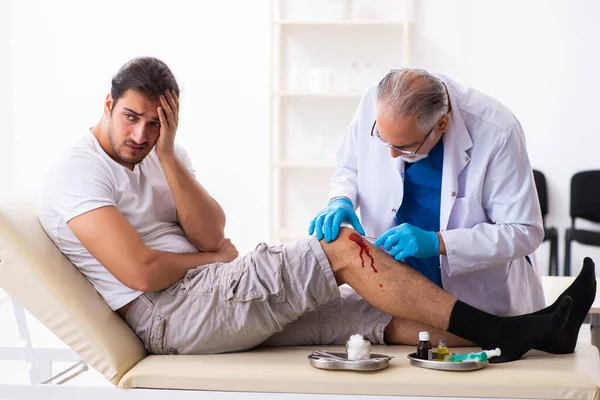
445, 366
362, 365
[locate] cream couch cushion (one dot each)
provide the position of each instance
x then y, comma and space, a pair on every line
287, 370
34, 272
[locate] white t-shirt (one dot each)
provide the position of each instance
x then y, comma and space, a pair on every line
86, 178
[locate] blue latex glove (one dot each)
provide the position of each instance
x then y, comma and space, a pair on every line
407, 240
329, 219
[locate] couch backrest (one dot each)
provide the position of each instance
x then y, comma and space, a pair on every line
34, 272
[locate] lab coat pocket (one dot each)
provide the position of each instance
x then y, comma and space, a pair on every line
496, 288
466, 213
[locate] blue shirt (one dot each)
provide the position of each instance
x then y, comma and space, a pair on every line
421, 205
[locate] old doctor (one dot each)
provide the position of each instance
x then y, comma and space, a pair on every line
440, 175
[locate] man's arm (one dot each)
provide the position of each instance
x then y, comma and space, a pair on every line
200, 216
113, 241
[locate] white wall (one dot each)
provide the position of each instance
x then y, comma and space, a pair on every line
540, 58
5, 96
65, 53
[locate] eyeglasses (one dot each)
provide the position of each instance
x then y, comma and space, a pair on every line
400, 150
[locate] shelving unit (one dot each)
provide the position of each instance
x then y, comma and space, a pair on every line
365, 22
322, 95
305, 164
325, 53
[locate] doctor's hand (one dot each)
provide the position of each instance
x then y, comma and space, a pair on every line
406, 240
168, 114
329, 219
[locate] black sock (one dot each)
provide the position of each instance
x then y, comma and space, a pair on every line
582, 291
513, 335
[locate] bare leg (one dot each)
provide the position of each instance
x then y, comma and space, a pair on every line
395, 288
403, 331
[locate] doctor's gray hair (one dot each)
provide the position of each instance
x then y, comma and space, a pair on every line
412, 92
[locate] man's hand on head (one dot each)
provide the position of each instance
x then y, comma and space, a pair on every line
168, 114
198, 213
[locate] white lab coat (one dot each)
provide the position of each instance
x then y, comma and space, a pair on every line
490, 217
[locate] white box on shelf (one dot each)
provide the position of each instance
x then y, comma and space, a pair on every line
315, 80
319, 80
293, 78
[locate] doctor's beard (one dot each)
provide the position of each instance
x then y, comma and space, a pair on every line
415, 158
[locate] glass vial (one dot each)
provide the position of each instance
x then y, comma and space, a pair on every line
424, 346
442, 349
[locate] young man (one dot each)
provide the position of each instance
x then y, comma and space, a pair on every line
125, 207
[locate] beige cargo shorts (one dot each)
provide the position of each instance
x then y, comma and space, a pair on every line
272, 296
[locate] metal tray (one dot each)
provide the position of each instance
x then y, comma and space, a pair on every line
444, 365
377, 362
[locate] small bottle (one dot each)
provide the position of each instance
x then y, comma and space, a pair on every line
442, 349
424, 346
293, 78
355, 75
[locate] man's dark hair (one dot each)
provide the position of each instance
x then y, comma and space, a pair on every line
146, 75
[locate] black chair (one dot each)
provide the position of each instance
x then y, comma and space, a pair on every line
585, 204
550, 234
